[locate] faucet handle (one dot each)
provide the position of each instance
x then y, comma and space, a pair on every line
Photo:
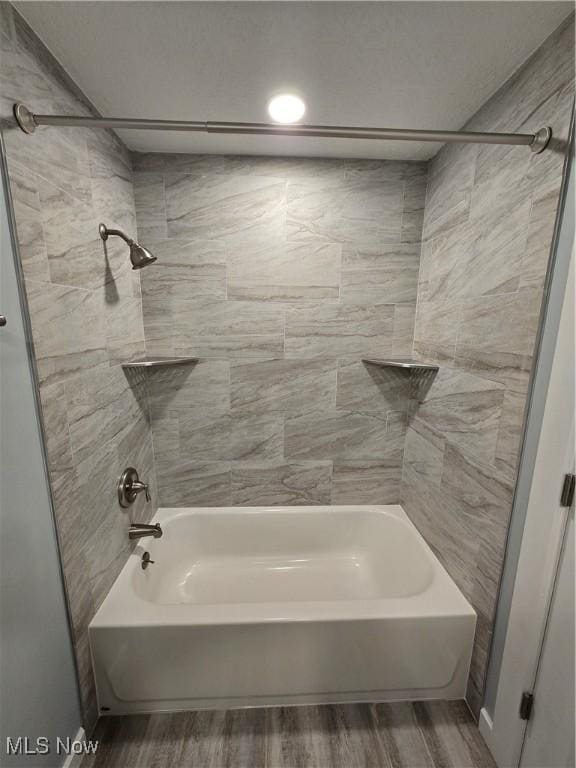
129, 486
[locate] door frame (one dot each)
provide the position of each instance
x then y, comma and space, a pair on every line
548, 453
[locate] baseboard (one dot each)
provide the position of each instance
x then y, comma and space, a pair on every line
485, 727
73, 761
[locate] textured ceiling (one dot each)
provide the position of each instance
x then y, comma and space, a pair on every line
394, 64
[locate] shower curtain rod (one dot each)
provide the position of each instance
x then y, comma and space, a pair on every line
29, 121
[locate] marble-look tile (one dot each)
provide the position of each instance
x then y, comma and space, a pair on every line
150, 202
185, 270
339, 331
366, 482
31, 243
214, 328
345, 435
100, 407
86, 314
203, 387
501, 178
284, 271
193, 483
450, 182
106, 544
206, 437
423, 453
282, 483
222, 207
503, 325
122, 317
495, 264
403, 333
282, 386
466, 410
539, 239
359, 210
67, 328
510, 431
56, 428
371, 388
436, 328
384, 275
75, 250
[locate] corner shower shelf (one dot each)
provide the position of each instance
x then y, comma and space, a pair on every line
159, 362
409, 365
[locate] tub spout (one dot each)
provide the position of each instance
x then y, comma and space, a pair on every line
139, 530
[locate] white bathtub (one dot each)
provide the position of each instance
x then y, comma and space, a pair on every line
284, 605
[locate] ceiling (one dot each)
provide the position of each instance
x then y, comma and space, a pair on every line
427, 65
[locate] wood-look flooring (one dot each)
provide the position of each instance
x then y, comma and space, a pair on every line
396, 735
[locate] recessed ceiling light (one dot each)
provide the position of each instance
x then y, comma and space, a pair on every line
286, 108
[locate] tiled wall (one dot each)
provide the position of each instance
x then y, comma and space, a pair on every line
86, 314
488, 224
280, 275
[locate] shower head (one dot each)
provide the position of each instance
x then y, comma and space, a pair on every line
139, 256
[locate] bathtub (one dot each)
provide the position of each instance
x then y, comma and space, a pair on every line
284, 605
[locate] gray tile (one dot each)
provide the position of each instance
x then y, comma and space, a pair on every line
339, 331
283, 483
214, 328
359, 210
466, 410
203, 386
222, 207
56, 429
366, 482
346, 435
150, 203
67, 328
31, 242
194, 483
185, 270
384, 275
206, 437
450, 182
282, 386
423, 453
371, 388
503, 325
100, 407
539, 238
403, 333
436, 330
284, 271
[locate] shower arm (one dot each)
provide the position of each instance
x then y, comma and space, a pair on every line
29, 121
106, 232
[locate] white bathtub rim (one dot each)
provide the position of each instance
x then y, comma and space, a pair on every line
123, 607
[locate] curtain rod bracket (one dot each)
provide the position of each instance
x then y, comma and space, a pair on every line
24, 118
29, 121
541, 140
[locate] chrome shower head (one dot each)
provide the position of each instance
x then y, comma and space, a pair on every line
139, 256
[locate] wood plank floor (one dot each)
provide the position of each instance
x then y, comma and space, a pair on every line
398, 735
